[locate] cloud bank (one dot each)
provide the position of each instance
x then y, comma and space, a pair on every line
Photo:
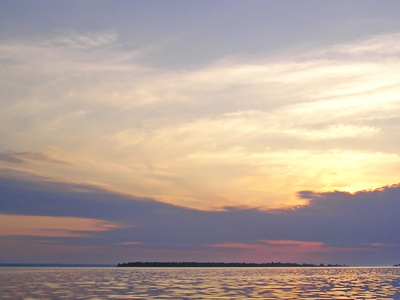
234, 132
99, 226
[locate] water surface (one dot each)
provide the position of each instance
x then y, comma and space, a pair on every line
200, 283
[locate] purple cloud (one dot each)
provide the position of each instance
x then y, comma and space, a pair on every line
360, 228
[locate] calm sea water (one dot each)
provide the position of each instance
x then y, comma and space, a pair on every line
200, 283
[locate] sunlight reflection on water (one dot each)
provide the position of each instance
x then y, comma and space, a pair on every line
200, 283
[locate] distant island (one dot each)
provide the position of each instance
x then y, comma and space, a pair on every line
215, 264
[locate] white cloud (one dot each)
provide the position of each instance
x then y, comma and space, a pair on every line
386, 44
83, 42
193, 134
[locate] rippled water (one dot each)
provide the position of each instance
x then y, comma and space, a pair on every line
200, 283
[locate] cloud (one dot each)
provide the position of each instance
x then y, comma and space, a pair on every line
335, 227
385, 44
10, 158
47, 226
83, 42
234, 132
131, 243
18, 157
284, 247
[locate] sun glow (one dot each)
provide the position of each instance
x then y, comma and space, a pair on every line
229, 133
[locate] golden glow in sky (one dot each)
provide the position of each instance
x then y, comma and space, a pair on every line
233, 133
200, 131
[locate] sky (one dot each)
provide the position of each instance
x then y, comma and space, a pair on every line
237, 131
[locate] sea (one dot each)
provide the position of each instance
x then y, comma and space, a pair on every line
199, 283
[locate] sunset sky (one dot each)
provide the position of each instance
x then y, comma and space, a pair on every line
249, 131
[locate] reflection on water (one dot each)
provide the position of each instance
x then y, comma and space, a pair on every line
200, 283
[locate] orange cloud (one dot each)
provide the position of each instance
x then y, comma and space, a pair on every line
131, 243
237, 246
376, 244
291, 243
285, 246
19, 225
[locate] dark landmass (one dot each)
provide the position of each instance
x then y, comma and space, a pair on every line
215, 264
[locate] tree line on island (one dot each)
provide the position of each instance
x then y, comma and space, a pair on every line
218, 264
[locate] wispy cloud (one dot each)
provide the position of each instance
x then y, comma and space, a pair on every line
23, 156
285, 248
386, 44
131, 243
83, 42
233, 132
47, 226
